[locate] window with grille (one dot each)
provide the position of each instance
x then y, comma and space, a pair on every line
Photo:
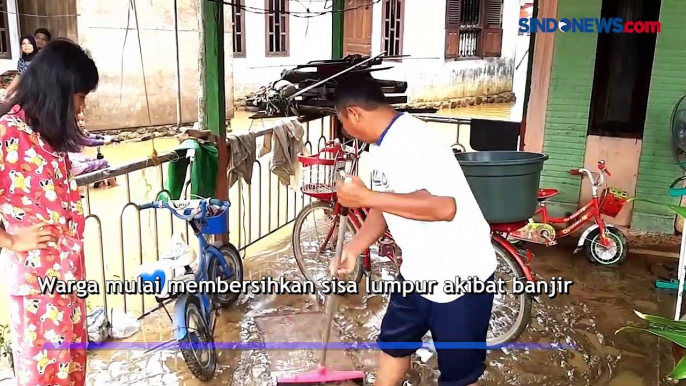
393, 15
5, 44
473, 28
238, 19
277, 27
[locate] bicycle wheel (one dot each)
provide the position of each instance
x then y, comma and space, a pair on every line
215, 271
511, 312
198, 345
317, 219
615, 254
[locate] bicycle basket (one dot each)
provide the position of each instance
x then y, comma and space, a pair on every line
612, 201
318, 174
216, 222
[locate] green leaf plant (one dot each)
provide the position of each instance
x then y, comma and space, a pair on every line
672, 330
679, 210
6, 345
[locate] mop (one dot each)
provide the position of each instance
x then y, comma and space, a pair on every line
323, 375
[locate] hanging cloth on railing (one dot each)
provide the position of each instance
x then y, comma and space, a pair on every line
287, 144
203, 171
242, 155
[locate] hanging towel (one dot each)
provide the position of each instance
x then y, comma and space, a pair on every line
242, 156
266, 145
203, 171
287, 144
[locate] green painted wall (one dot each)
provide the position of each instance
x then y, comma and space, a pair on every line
568, 105
657, 169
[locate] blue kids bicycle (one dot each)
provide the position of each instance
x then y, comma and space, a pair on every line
195, 312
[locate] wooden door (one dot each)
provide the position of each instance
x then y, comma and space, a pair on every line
357, 27
623, 69
34, 14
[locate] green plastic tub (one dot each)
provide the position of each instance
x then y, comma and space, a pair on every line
504, 183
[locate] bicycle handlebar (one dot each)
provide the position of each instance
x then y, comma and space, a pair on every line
195, 215
601, 175
342, 146
603, 168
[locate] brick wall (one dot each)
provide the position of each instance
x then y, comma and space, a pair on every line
568, 105
657, 168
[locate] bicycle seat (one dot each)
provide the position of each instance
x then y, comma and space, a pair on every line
158, 272
544, 194
154, 272
165, 270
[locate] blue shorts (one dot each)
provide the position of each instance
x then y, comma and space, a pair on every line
466, 319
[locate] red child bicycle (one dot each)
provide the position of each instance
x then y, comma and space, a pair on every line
508, 320
603, 243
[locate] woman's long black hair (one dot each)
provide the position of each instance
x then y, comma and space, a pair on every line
46, 93
29, 57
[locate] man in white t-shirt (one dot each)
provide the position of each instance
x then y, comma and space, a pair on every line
420, 192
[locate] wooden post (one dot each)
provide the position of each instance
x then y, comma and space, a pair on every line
527, 87
178, 65
201, 66
337, 29
541, 68
215, 97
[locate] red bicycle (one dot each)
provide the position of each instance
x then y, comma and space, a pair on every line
603, 243
511, 311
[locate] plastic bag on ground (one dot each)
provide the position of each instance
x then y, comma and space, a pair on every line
123, 325
98, 326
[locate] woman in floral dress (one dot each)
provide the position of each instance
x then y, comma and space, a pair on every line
43, 215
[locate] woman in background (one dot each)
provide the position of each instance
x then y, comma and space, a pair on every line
29, 49
43, 215
43, 37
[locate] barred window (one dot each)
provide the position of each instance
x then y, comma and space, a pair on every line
5, 44
276, 23
473, 28
238, 19
393, 16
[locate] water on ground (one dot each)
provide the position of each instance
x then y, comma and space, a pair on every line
601, 301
